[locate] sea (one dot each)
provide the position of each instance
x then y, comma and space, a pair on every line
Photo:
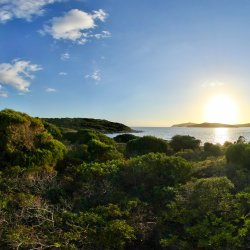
212, 135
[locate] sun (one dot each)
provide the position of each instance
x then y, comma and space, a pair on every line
221, 109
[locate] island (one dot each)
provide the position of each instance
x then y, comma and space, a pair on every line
211, 125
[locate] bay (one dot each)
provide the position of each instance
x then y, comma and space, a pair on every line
212, 135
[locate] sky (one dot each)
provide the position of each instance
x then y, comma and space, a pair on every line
139, 62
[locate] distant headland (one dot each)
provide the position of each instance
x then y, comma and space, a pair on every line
211, 125
103, 126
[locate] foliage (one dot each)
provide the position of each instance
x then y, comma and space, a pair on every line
146, 144
201, 213
25, 141
53, 130
239, 154
84, 136
212, 150
124, 138
103, 126
150, 177
188, 154
92, 197
102, 152
181, 142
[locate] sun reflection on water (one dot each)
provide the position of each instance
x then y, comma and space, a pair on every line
221, 135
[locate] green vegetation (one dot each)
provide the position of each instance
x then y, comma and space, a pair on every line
25, 141
102, 126
83, 190
146, 144
124, 138
181, 142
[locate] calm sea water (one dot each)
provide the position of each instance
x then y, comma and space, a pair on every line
213, 135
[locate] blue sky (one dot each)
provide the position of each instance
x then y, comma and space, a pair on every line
140, 62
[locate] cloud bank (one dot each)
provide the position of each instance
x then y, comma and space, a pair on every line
76, 26
18, 74
23, 9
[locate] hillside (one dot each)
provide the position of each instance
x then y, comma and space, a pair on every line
186, 124
103, 126
211, 125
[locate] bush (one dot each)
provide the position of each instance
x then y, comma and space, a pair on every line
212, 150
124, 138
200, 212
145, 145
25, 141
181, 142
79, 151
188, 154
239, 154
101, 152
149, 177
84, 136
53, 130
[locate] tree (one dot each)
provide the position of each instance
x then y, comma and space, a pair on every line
181, 142
145, 145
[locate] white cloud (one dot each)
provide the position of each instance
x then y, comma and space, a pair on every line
100, 14
63, 73
24, 9
50, 90
212, 84
65, 56
18, 74
103, 34
75, 25
96, 76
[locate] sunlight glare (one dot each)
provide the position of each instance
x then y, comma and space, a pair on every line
221, 109
221, 135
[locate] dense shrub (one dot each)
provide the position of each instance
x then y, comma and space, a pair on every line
149, 176
181, 142
25, 141
124, 138
53, 130
79, 151
145, 145
239, 154
94, 198
188, 154
84, 136
101, 152
212, 167
212, 150
201, 212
